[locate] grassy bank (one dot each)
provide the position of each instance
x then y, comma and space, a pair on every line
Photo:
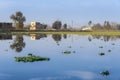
80, 33
64, 32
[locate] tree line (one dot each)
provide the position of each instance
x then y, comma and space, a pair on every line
19, 20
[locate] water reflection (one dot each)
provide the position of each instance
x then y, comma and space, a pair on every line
5, 37
65, 36
105, 38
37, 36
85, 64
57, 37
18, 43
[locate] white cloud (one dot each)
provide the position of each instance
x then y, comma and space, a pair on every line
85, 75
52, 78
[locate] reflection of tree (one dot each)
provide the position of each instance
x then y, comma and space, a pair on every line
18, 43
57, 37
65, 36
106, 38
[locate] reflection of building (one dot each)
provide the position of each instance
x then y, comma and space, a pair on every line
37, 26
5, 37
37, 36
5, 26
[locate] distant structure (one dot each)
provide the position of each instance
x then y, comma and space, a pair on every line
5, 26
37, 26
86, 29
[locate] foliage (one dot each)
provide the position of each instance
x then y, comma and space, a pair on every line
65, 26
67, 52
31, 58
101, 54
107, 25
57, 25
109, 50
105, 73
18, 19
89, 23
97, 27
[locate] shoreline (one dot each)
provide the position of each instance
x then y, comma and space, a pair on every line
60, 32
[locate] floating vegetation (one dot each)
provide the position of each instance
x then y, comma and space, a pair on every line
69, 46
68, 52
100, 46
105, 73
6, 49
74, 51
31, 58
113, 43
101, 54
81, 47
109, 50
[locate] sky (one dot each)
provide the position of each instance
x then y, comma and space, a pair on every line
76, 12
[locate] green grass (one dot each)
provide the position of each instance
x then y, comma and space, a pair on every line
68, 32
81, 33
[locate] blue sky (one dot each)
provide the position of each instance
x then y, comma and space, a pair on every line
47, 11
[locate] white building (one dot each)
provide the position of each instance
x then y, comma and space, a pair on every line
87, 28
37, 26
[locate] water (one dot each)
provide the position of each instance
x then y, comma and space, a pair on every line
84, 61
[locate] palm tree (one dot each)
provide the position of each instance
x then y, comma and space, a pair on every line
18, 19
89, 23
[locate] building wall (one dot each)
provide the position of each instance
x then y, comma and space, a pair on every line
6, 26
37, 26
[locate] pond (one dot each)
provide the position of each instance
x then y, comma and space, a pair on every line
64, 57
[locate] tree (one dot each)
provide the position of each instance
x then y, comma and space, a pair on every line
18, 19
65, 26
57, 25
107, 25
97, 26
89, 23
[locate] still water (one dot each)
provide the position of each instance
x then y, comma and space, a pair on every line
72, 57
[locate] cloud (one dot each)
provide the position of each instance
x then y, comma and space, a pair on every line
68, 75
52, 78
85, 75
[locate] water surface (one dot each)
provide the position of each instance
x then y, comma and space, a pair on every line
84, 61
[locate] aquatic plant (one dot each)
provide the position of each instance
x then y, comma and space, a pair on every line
31, 58
109, 50
100, 46
74, 52
67, 52
69, 46
113, 43
101, 54
105, 73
